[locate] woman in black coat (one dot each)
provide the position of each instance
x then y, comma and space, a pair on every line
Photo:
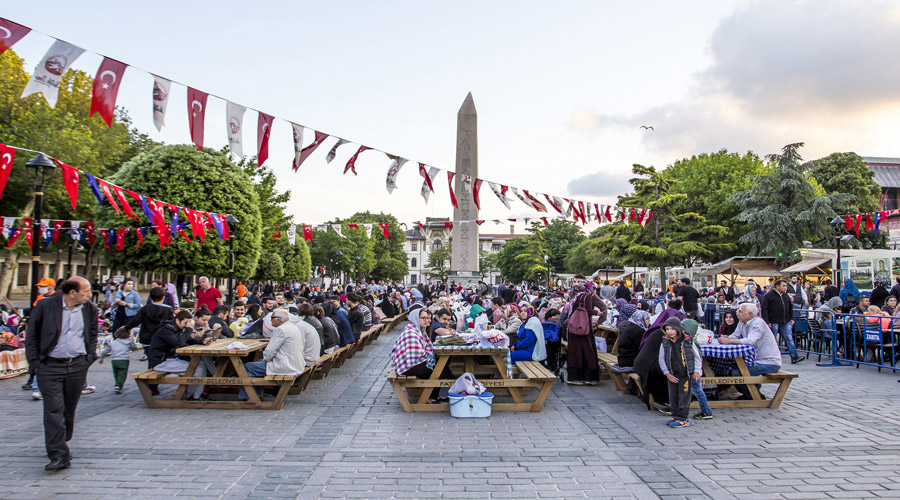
646, 365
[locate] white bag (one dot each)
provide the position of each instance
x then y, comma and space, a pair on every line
493, 338
467, 384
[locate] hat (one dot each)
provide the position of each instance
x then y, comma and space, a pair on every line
690, 326
861, 294
46, 282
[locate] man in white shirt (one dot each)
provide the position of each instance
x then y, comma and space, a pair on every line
754, 331
283, 355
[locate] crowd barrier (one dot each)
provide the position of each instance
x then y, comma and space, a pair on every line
848, 338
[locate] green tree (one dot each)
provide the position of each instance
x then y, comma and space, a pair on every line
438, 266
510, 268
847, 173
295, 258
269, 267
784, 208
487, 263
710, 180
522, 259
588, 256
65, 132
561, 236
379, 257
200, 180
674, 235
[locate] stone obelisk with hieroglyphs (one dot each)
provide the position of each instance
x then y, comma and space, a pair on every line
464, 259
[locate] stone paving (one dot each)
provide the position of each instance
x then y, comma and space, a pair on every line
836, 436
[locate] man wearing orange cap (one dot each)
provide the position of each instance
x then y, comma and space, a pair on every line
46, 287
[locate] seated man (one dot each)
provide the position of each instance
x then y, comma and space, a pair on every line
163, 356
283, 355
441, 325
219, 320
754, 331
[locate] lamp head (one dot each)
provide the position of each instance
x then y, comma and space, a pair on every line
42, 165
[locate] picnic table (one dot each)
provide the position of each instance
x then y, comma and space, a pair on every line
224, 358
721, 358
532, 375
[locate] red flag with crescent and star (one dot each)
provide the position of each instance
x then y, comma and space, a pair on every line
307, 233
7, 154
196, 101
70, 181
308, 150
450, 176
263, 130
104, 186
11, 33
91, 232
57, 226
106, 88
124, 201
384, 227
351, 163
120, 237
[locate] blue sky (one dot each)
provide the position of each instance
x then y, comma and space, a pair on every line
561, 89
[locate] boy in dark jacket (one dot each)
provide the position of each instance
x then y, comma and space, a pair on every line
679, 360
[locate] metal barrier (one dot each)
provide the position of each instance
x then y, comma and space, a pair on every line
712, 315
849, 338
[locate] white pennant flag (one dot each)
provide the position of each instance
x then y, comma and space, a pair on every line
337, 229
50, 70
588, 210
322, 227
467, 184
161, 88
497, 191
368, 230
524, 199
235, 113
298, 145
498, 221
292, 234
331, 154
396, 164
427, 183
76, 225
7, 224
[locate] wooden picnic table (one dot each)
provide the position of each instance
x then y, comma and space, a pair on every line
533, 375
224, 358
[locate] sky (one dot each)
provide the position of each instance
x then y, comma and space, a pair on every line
561, 90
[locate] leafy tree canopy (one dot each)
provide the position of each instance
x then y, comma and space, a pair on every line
560, 237
847, 173
376, 254
438, 266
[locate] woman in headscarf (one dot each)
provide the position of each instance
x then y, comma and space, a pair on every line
849, 295
646, 365
826, 312
626, 310
530, 345
509, 323
474, 311
171, 289
631, 331
729, 323
413, 352
747, 295
582, 366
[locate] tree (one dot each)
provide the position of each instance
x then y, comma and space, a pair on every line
376, 254
296, 259
510, 268
269, 267
561, 236
438, 266
200, 180
674, 234
65, 132
847, 173
710, 180
487, 263
522, 259
784, 208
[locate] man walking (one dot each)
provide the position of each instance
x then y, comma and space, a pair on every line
62, 343
778, 312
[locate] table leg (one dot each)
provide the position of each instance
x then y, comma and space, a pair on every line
220, 368
242, 373
470, 364
145, 393
742, 367
189, 372
435, 375
500, 363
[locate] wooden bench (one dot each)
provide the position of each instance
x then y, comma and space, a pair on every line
324, 365
341, 354
300, 382
284, 383
543, 378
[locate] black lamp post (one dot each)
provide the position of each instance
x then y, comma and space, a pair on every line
356, 270
837, 225
43, 167
232, 229
606, 260
339, 256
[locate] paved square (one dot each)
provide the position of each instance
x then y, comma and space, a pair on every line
837, 435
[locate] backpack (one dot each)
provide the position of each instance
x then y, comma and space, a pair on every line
580, 320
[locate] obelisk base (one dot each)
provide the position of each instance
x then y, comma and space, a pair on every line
465, 277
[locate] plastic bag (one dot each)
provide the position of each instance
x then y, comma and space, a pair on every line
467, 384
481, 322
703, 336
494, 338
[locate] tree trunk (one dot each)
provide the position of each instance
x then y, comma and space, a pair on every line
89, 263
12, 258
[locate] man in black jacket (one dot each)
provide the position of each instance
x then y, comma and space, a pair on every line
150, 317
622, 292
356, 315
778, 312
61, 342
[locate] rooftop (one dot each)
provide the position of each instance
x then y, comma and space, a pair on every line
887, 170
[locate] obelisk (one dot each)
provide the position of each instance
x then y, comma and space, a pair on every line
464, 260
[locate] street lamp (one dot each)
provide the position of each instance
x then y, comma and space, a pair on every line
547, 267
339, 254
232, 229
606, 261
43, 167
356, 270
837, 225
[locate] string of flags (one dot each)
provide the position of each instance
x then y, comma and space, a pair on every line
115, 196
869, 221
61, 55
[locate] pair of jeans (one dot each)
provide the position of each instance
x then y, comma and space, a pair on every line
697, 391
255, 369
787, 332
757, 369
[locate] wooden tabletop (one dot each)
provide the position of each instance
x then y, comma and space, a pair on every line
470, 351
220, 347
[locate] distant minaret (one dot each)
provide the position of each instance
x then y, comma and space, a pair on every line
464, 260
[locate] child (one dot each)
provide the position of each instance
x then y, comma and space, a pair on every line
120, 350
679, 360
690, 329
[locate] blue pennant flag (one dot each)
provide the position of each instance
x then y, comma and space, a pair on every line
94, 187
175, 223
48, 237
218, 223
146, 208
82, 238
877, 221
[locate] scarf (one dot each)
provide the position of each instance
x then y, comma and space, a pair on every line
725, 329
849, 289
639, 318
626, 312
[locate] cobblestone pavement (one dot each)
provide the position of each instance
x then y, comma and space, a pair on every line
836, 436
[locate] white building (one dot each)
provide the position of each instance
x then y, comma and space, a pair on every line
421, 241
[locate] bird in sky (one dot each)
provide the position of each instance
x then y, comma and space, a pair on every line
646, 127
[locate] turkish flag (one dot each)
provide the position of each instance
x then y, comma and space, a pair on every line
57, 226
552, 203
104, 235
70, 181
104, 186
225, 228
308, 150
196, 101
125, 206
448, 224
120, 238
263, 129
13, 32
534, 202
351, 163
139, 233
384, 228
91, 232
450, 176
476, 190
479, 222
106, 88
307, 233
353, 226
7, 154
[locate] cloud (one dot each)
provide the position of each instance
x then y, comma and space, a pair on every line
816, 72
599, 184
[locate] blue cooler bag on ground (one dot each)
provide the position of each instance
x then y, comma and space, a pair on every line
471, 406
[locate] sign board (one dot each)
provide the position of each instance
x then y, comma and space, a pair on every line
118, 278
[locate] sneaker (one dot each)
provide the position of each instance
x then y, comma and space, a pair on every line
574, 382
118, 390
27, 387
680, 423
666, 410
36, 395
88, 389
591, 382
703, 416
796, 360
